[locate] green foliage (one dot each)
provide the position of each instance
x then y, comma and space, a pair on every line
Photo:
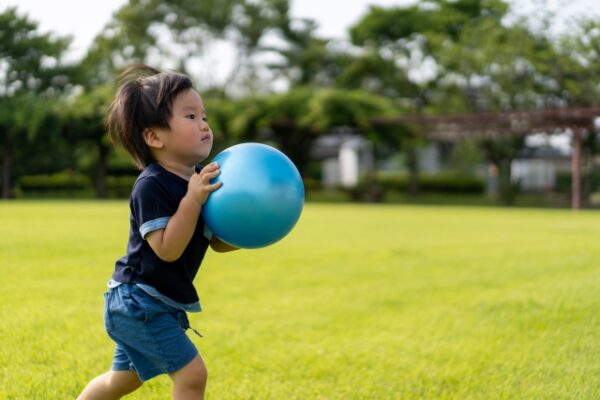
432, 57
376, 74
382, 26
438, 303
171, 33
120, 186
84, 124
578, 61
221, 113
30, 78
476, 61
31, 61
312, 110
68, 184
450, 183
330, 108
288, 106
307, 60
84, 116
293, 120
465, 156
61, 184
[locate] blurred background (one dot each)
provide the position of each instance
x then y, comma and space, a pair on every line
483, 102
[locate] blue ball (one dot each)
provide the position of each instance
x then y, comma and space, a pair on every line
260, 200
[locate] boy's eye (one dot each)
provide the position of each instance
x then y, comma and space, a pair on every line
191, 116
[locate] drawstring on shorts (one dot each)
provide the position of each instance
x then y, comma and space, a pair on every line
185, 323
196, 332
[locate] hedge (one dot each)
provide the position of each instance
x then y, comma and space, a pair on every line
120, 186
61, 184
439, 183
69, 184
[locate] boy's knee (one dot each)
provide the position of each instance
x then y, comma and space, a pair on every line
204, 375
201, 377
192, 377
124, 382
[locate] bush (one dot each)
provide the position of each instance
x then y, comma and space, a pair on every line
440, 183
120, 186
61, 184
311, 184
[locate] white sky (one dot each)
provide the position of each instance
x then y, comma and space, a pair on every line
84, 19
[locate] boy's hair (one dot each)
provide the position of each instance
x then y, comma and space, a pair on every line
144, 100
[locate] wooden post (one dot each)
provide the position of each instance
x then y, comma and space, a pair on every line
6, 160
576, 170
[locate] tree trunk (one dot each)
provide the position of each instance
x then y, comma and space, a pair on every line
576, 170
508, 189
412, 162
6, 160
102, 172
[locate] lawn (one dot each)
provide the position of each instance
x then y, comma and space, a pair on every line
358, 302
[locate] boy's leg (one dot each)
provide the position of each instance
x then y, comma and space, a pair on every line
111, 385
189, 382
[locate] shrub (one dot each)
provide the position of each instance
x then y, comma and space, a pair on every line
439, 183
61, 184
120, 186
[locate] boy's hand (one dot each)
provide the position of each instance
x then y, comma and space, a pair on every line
199, 186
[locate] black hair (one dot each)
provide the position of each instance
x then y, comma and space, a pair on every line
144, 100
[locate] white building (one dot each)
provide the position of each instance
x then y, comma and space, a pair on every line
544, 157
346, 157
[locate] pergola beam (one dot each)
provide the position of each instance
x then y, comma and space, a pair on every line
507, 124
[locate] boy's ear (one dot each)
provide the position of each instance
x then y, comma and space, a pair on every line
152, 138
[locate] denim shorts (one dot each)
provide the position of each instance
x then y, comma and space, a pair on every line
149, 335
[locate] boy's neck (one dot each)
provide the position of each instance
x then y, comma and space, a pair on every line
178, 169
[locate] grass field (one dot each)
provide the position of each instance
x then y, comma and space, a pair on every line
359, 302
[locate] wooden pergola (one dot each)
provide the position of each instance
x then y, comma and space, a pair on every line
507, 124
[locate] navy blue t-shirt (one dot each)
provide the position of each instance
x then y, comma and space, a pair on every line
154, 199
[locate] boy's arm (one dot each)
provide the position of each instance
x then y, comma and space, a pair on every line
170, 242
220, 246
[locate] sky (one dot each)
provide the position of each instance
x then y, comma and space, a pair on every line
84, 19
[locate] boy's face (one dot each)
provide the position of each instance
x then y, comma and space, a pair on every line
190, 139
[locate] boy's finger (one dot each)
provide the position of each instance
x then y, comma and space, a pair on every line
198, 167
212, 174
207, 178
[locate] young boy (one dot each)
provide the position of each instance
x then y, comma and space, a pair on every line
161, 121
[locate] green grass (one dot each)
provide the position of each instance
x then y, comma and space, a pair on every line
359, 302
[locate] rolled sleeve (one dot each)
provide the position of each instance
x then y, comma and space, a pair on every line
153, 225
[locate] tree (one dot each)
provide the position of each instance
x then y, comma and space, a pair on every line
374, 73
293, 120
462, 56
31, 73
577, 68
84, 123
171, 34
174, 34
